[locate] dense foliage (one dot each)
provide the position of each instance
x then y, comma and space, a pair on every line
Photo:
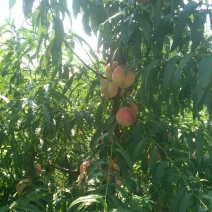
53, 112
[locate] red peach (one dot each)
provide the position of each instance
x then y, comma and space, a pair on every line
126, 117
133, 106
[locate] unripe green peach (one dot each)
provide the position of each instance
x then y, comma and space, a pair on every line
126, 117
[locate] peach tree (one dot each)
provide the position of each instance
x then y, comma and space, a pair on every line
128, 128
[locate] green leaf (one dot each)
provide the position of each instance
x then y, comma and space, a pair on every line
86, 22
169, 74
199, 144
204, 79
190, 143
161, 170
179, 69
123, 153
27, 7
204, 74
4, 98
197, 30
47, 118
140, 147
88, 200
186, 202
182, 20
57, 42
145, 27
177, 199
148, 72
128, 27
11, 3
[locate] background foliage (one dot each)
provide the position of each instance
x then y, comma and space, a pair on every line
52, 110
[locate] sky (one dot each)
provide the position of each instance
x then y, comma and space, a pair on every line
17, 14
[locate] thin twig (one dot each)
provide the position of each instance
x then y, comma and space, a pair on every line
62, 168
181, 175
87, 66
87, 52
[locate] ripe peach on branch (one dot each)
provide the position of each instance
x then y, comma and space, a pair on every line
109, 68
22, 185
123, 78
38, 169
84, 165
126, 117
108, 89
133, 106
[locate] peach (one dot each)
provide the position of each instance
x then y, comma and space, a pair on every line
84, 166
122, 78
133, 106
108, 89
112, 89
104, 87
80, 177
118, 182
22, 185
37, 168
126, 117
114, 165
109, 68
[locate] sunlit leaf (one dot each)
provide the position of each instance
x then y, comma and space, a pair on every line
88, 200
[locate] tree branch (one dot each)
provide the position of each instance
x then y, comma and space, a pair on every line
62, 168
87, 66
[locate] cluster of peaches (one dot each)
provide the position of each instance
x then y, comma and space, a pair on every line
27, 181
118, 76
